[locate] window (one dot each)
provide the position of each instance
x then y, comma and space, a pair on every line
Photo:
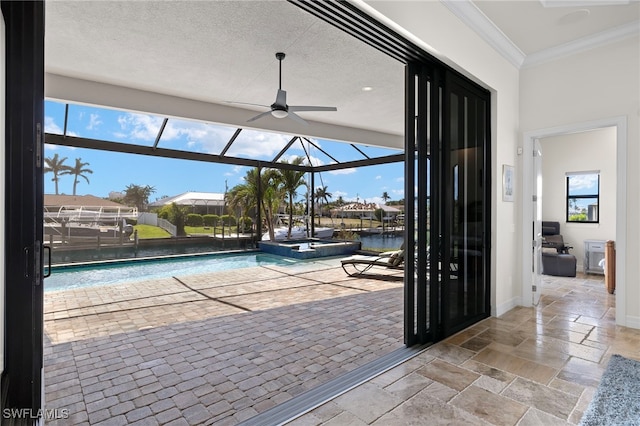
583, 197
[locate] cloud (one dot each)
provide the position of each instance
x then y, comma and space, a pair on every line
239, 171
584, 181
202, 137
94, 121
50, 126
378, 177
139, 126
348, 171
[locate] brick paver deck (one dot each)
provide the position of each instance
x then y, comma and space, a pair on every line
215, 348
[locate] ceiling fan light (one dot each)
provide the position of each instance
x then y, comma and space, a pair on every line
278, 113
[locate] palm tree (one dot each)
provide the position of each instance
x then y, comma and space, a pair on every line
291, 180
245, 195
272, 196
56, 166
78, 171
385, 197
320, 196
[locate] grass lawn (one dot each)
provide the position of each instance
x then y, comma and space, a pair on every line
148, 231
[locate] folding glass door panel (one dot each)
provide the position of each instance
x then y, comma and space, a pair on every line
24, 130
465, 177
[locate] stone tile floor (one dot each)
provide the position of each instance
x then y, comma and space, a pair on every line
531, 366
221, 348
216, 348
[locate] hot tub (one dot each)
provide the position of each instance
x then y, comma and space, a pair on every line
310, 248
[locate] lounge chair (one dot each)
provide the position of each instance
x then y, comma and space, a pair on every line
359, 264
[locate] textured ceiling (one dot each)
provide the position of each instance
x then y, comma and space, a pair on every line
216, 52
224, 51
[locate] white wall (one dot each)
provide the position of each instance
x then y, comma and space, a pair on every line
575, 152
431, 25
595, 85
2, 183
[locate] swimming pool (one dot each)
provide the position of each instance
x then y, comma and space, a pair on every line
89, 275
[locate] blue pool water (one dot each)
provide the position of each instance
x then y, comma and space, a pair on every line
69, 277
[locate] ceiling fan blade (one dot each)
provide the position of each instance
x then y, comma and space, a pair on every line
311, 108
281, 98
245, 103
259, 116
297, 118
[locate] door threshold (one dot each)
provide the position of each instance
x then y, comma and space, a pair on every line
313, 398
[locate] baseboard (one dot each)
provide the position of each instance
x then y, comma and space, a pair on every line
632, 322
506, 306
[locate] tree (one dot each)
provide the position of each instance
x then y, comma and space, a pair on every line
290, 181
246, 195
56, 166
177, 216
138, 196
272, 196
385, 197
321, 195
78, 171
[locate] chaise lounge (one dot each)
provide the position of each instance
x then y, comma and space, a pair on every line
358, 264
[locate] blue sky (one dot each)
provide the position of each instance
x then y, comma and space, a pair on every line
114, 171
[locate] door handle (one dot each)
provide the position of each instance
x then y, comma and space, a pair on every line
48, 249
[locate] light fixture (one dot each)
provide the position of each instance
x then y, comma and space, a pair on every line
367, 88
279, 113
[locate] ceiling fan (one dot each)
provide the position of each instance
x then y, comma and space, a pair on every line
280, 109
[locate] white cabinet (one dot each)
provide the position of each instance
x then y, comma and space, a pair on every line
593, 254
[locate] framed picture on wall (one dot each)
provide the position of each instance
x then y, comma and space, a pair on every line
507, 183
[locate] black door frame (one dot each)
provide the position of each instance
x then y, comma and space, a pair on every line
24, 186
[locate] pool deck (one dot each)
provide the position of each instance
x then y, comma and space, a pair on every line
216, 348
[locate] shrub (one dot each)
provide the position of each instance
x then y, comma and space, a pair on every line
578, 217
228, 220
210, 219
245, 223
164, 212
177, 216
193, 219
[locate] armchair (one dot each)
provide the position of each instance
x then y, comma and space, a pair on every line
556, 259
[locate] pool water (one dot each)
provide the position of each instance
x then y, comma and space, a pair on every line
70, 277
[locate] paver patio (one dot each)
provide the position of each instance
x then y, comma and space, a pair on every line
215, 348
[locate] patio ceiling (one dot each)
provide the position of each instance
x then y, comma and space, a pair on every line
197, 59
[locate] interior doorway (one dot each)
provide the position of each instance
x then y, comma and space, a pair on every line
553, 191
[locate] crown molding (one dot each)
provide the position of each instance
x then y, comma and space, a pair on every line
583, 44
475, 19
583, 3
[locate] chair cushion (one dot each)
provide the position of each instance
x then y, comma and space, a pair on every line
396, 258
550, 228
